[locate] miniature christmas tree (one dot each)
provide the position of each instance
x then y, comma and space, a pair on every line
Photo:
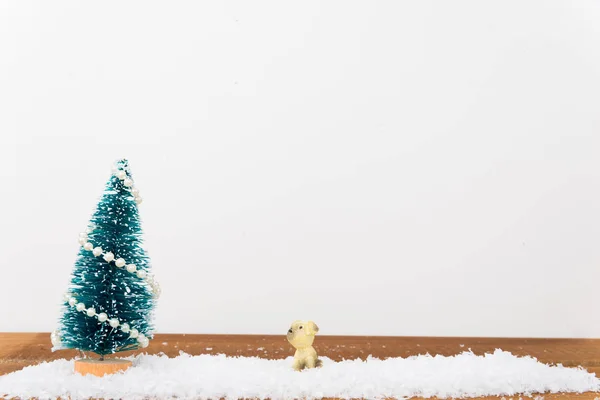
112, 294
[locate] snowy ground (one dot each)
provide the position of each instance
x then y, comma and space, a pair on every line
206, 376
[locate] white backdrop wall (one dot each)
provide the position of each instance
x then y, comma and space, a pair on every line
381, 167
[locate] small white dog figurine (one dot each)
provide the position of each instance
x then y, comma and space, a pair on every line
301, 335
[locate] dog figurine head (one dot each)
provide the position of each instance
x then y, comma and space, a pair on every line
302, 334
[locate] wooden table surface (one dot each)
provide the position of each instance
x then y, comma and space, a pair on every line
18, 350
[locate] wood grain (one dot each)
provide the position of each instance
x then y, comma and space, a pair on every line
96, 367
18, 350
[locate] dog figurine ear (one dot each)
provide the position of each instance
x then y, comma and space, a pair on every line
311, 328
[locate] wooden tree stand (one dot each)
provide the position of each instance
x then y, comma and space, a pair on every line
101, 368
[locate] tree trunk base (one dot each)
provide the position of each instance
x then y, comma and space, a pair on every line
101, 368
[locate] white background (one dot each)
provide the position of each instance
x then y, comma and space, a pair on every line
381, 167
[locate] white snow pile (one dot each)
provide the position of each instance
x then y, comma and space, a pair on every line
214, 377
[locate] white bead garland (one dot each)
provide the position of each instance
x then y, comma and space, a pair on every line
119, 262
128, 182
102, 317
155, 288
55, 339
142, 340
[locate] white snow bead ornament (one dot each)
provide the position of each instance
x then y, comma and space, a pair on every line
141, 338
138, 200
156, 289
108, 257
72, 301
83, 234
67, 297
55, 338
121, 174
145, 342
131, 268
82, 240
141, 274
120, 262
113, 322
102, 317
125, 328
135, 192
88, 246
133, 333
97, 251
128, 182
91, 312
80, 307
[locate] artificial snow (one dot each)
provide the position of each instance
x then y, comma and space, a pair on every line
218, 376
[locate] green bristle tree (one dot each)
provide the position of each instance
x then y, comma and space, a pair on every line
112, 293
